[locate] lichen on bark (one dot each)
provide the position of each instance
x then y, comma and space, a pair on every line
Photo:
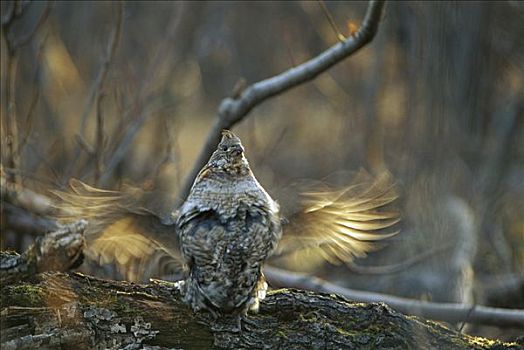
71, 310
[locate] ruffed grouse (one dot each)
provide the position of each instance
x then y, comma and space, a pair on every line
228, 227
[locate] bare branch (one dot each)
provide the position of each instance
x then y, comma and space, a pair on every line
22, 209
106, 63
12, 46
96, 90
231, 110
23, 221
35, 95
449, 312
139, 109
26, 38
99, 139
11, 122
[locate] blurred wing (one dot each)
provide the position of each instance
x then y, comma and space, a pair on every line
342, 224
122, 232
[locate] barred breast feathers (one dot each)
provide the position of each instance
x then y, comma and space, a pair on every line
227, 196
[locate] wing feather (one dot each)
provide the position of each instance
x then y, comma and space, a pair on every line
122, 231
342, 224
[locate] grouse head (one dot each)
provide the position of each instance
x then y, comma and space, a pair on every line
229, 156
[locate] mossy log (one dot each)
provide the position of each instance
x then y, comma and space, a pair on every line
60, 250
72, 311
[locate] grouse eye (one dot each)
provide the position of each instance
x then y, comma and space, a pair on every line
223, 148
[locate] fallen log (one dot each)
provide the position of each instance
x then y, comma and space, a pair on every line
56, 310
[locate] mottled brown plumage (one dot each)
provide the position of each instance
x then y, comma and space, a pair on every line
228, 227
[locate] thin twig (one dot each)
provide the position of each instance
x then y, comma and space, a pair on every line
84, 145
43, 159
172, 150
139, 109
12, 56
99, 145
112, 45
231, 111
467, 318
449, 312
96, 90
28, 175
331, 21
11, 123
35, 96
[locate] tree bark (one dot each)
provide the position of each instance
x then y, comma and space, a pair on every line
56, 310
60, 250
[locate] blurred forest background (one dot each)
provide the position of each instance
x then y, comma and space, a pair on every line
126, 92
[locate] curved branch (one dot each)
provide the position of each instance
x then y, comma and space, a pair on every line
449, 312
232, 110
